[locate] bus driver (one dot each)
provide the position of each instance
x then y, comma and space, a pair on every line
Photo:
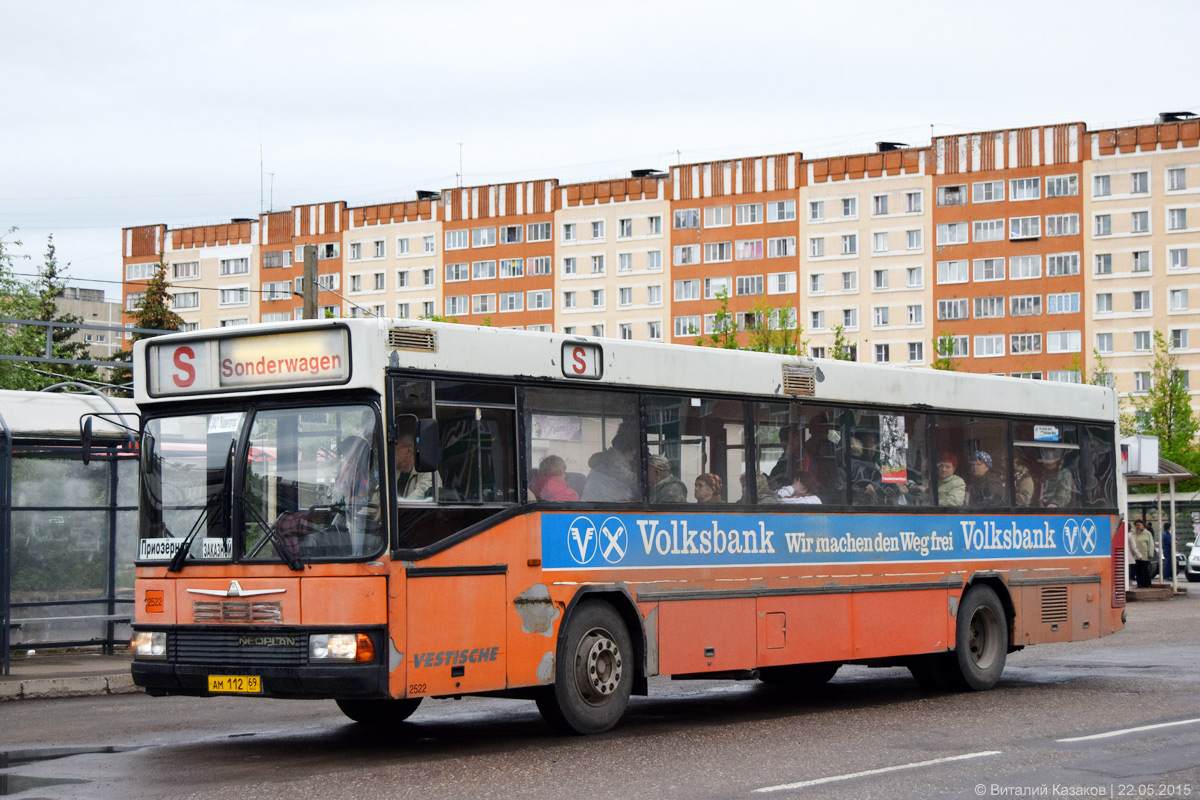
410, 484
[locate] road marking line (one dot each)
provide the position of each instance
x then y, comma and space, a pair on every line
865, 773
1124, 731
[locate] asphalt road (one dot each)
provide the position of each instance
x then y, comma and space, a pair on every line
1118, 717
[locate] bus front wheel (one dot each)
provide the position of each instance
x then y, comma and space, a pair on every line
379, 712
981, 638
593, 674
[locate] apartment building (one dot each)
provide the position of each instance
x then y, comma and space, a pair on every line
865, 230
734, 231
1142, 210
610, 256
92, 308
1029, 247
1007, 250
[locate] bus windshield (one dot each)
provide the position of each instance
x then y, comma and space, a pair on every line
307, 486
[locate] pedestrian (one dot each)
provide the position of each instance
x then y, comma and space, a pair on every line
1168, 551
1142, 545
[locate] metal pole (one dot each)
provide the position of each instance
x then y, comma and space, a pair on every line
111, 590
1174, 571
310, 281
5, 544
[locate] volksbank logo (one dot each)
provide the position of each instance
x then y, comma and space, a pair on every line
1079, 536
585, 539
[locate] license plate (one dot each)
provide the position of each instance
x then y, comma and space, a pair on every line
235, 684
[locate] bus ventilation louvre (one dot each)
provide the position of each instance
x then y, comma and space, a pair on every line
1054, 604
799, 380
412, 339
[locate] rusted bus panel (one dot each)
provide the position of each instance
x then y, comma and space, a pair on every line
397, 653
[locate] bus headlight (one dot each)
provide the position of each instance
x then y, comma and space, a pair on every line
148, 644
356, 647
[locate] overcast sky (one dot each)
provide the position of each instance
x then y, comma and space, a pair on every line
127, 113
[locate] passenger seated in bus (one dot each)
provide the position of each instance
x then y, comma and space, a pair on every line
790, 437
987, 487
664, 486
1022, 481
952, 490
550, 485
765, 495
410, 484
612, 479
866, 478
798, 490
1058, 484
708, 488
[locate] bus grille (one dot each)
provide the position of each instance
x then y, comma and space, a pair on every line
1054, 604
799, 380
411, 339
260, 613
237, 647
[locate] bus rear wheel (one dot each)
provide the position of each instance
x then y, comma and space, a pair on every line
981, 638
379, 712
593, 674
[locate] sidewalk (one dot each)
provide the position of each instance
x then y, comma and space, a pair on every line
68, 675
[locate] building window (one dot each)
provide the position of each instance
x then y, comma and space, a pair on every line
654, 295
850, 281
1024, 267
598, 229
540, 265
952, 309
1103, 226
428, 244
882, 317
1062, 303
1141, 341
568, 232
989, 230
687, 218
1024, 227
850, 244
625, 296
458, 240
624, 262
718, 252
568, 300
952, 195
748, 249
1058, 264
915, 277
598, 265
190, 270
916, 352
1141, 261
1176, 179
781, 283
458, 304
380, 249
1141, 301
882, 353
879, 205
1104, 342
879, 242
1062, 224
1139, 183
1179, 338
1178, 299
952, 233
483, 303
538, 300
1104, 263
512, 301
355, 283
749, 214
1101, 185
687, 254
483, 237
1176, 219
237, 296
1140, 222
715, 287
687, 326
1065, 376
1025, 343
913, 240
192, 299
327, 251
355, 251
1025, 305
781, 247
654, 331
989, 307
402, 310
483, 270
654, 260
1142, 382
816, 211
1062, 342
687, 290
1062, 186
987, 192
279, 258
850, 318
1178, 258
401, 247
879, 279
512, 268
1025, 188
989, 269
916, 314
511, 234
816, 248
570, 267
1104, 303
990, 346
817, 319
781, 211
428, 309
750, 285
953, 271
427, 278
625, 331
850, 207
653, 226
718, 216
914, 202
235, 266
538, 231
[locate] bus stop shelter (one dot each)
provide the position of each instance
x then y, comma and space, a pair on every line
1152, 470
67, 529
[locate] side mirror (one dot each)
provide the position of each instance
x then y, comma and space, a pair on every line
429, 445
85, 440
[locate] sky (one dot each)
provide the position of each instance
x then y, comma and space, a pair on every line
127, 113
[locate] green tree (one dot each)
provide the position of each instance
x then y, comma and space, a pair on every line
1165, 410
47, 289
843, 348
724, 332
1101, 374
943, 348
774, 331
152, 312
15, 303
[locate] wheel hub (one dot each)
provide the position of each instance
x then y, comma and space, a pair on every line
598, 668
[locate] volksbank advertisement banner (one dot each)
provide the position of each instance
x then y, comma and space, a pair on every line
605, 541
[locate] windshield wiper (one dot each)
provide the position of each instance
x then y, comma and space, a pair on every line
185, 547
293, 560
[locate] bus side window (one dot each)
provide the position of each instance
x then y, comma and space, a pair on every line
889, 460
792, 438
478, 431
595, 433
690, 438
980, 446
1097, 468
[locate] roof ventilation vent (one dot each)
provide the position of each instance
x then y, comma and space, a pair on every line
1175, 116
799, 380
412, 339
886, 146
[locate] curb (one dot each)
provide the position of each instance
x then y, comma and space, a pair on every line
81, 686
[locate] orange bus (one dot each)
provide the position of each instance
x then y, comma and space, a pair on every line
379, 511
